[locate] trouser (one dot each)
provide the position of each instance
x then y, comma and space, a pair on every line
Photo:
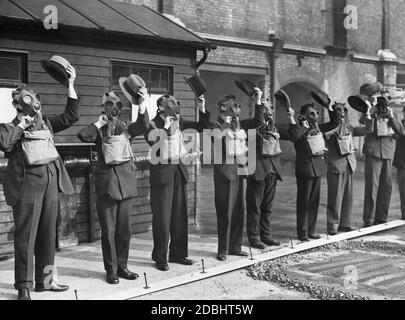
378, 188
340, 200
115, 222
229, 206
169, 209
401, 187
308, 194
35, 216
259, 203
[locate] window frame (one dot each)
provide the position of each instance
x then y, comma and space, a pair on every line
132, 63
23, 57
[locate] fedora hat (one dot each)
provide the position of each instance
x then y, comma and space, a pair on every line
130, 86
358, 103
246, 86
321, 98
197, 84
56, 68
370, 89
282, 99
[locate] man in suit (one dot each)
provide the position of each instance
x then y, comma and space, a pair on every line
228, 184
379, 148
261, 185
310, 166
115, 181
341, 161
399, 163
33, 178
168, 181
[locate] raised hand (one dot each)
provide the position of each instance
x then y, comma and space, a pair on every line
258, 95
201, 103
143, 95
72, 73
102, 121
26, 122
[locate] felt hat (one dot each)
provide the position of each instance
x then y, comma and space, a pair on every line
130, 86
370, 89
246, 86
321, 98
197, 84
282, 99
358, 103
56, 68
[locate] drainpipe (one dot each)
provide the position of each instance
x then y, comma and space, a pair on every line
278, 45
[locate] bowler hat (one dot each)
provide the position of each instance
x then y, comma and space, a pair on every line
197, 84
358, 103
130, 86
321, 98
56, 68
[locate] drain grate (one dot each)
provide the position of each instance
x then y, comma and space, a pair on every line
382, 272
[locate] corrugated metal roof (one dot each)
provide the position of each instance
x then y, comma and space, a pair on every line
103, 15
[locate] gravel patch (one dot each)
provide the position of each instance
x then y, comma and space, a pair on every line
281, 271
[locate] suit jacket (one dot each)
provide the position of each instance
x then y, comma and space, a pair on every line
336, 162
229, 172
163, 174
382, 147
399, 158
306, 164
17, 168
266, 165
117, 182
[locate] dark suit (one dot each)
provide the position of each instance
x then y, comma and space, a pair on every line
116, 186
308, 169
399, 163
340, 178
168, 197
260, 192
379, 153
32, 191
229, 199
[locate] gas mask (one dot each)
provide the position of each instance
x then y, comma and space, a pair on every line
340, 110
269, 110
309, 116
229, 107
312, 116
112, 107
27, 103
168, 106
383, 102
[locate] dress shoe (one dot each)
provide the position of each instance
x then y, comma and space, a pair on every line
345, 229
271, 243
221, 256
184, 261
53, 286
303, 239
333, 232
314, 236
366, 225
376, 223
126, 274
112, 278
239, 254
257, 244
162, 266
24, 294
